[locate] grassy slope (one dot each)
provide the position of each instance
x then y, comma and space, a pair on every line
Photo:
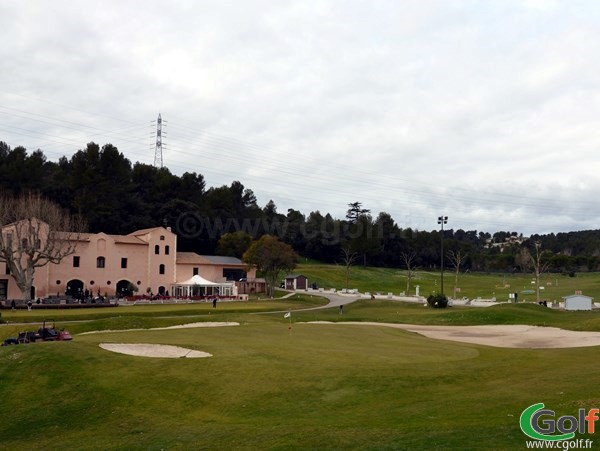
146, 316
320, 387
413, 313
316, 387
391, 280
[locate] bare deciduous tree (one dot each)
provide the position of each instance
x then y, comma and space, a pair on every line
35, 233
456, 258
408, 259
348, 257
539, 264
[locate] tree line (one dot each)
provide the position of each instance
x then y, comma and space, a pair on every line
117, 196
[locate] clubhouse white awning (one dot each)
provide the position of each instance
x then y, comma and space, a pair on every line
199, 286
197, 280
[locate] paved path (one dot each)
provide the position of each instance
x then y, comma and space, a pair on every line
335, 300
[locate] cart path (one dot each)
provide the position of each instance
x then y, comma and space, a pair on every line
335, 300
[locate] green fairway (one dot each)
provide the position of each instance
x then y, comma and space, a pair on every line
416, 313
158, 311
276, 384
309, 387
472, 285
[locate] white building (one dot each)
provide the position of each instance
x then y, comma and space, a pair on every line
578, 302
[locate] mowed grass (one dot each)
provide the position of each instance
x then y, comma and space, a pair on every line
416, 313
472, 285
316, 387
309, 387
154, 315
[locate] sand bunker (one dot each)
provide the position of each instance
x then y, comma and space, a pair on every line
158, 351
502, 336
152, 350
181, 326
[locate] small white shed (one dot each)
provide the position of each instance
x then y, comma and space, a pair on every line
578, 302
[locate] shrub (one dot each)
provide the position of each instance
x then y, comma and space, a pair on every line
437, 301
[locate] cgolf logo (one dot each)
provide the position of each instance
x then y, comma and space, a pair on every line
540, 424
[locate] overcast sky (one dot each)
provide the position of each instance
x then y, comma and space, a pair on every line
485, 111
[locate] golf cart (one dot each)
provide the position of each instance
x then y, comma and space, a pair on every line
49, 333
44, 333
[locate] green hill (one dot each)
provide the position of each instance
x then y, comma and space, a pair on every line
472, 285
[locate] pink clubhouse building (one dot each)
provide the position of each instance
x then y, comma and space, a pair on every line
146, 259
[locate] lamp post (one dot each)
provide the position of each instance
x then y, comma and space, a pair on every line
442, 220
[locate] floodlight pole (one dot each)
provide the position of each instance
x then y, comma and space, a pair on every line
442, 220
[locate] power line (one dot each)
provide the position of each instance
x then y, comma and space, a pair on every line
218, 151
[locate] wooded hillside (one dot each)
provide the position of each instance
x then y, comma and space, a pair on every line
118, 197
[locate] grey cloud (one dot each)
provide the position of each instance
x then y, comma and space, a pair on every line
484, 110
